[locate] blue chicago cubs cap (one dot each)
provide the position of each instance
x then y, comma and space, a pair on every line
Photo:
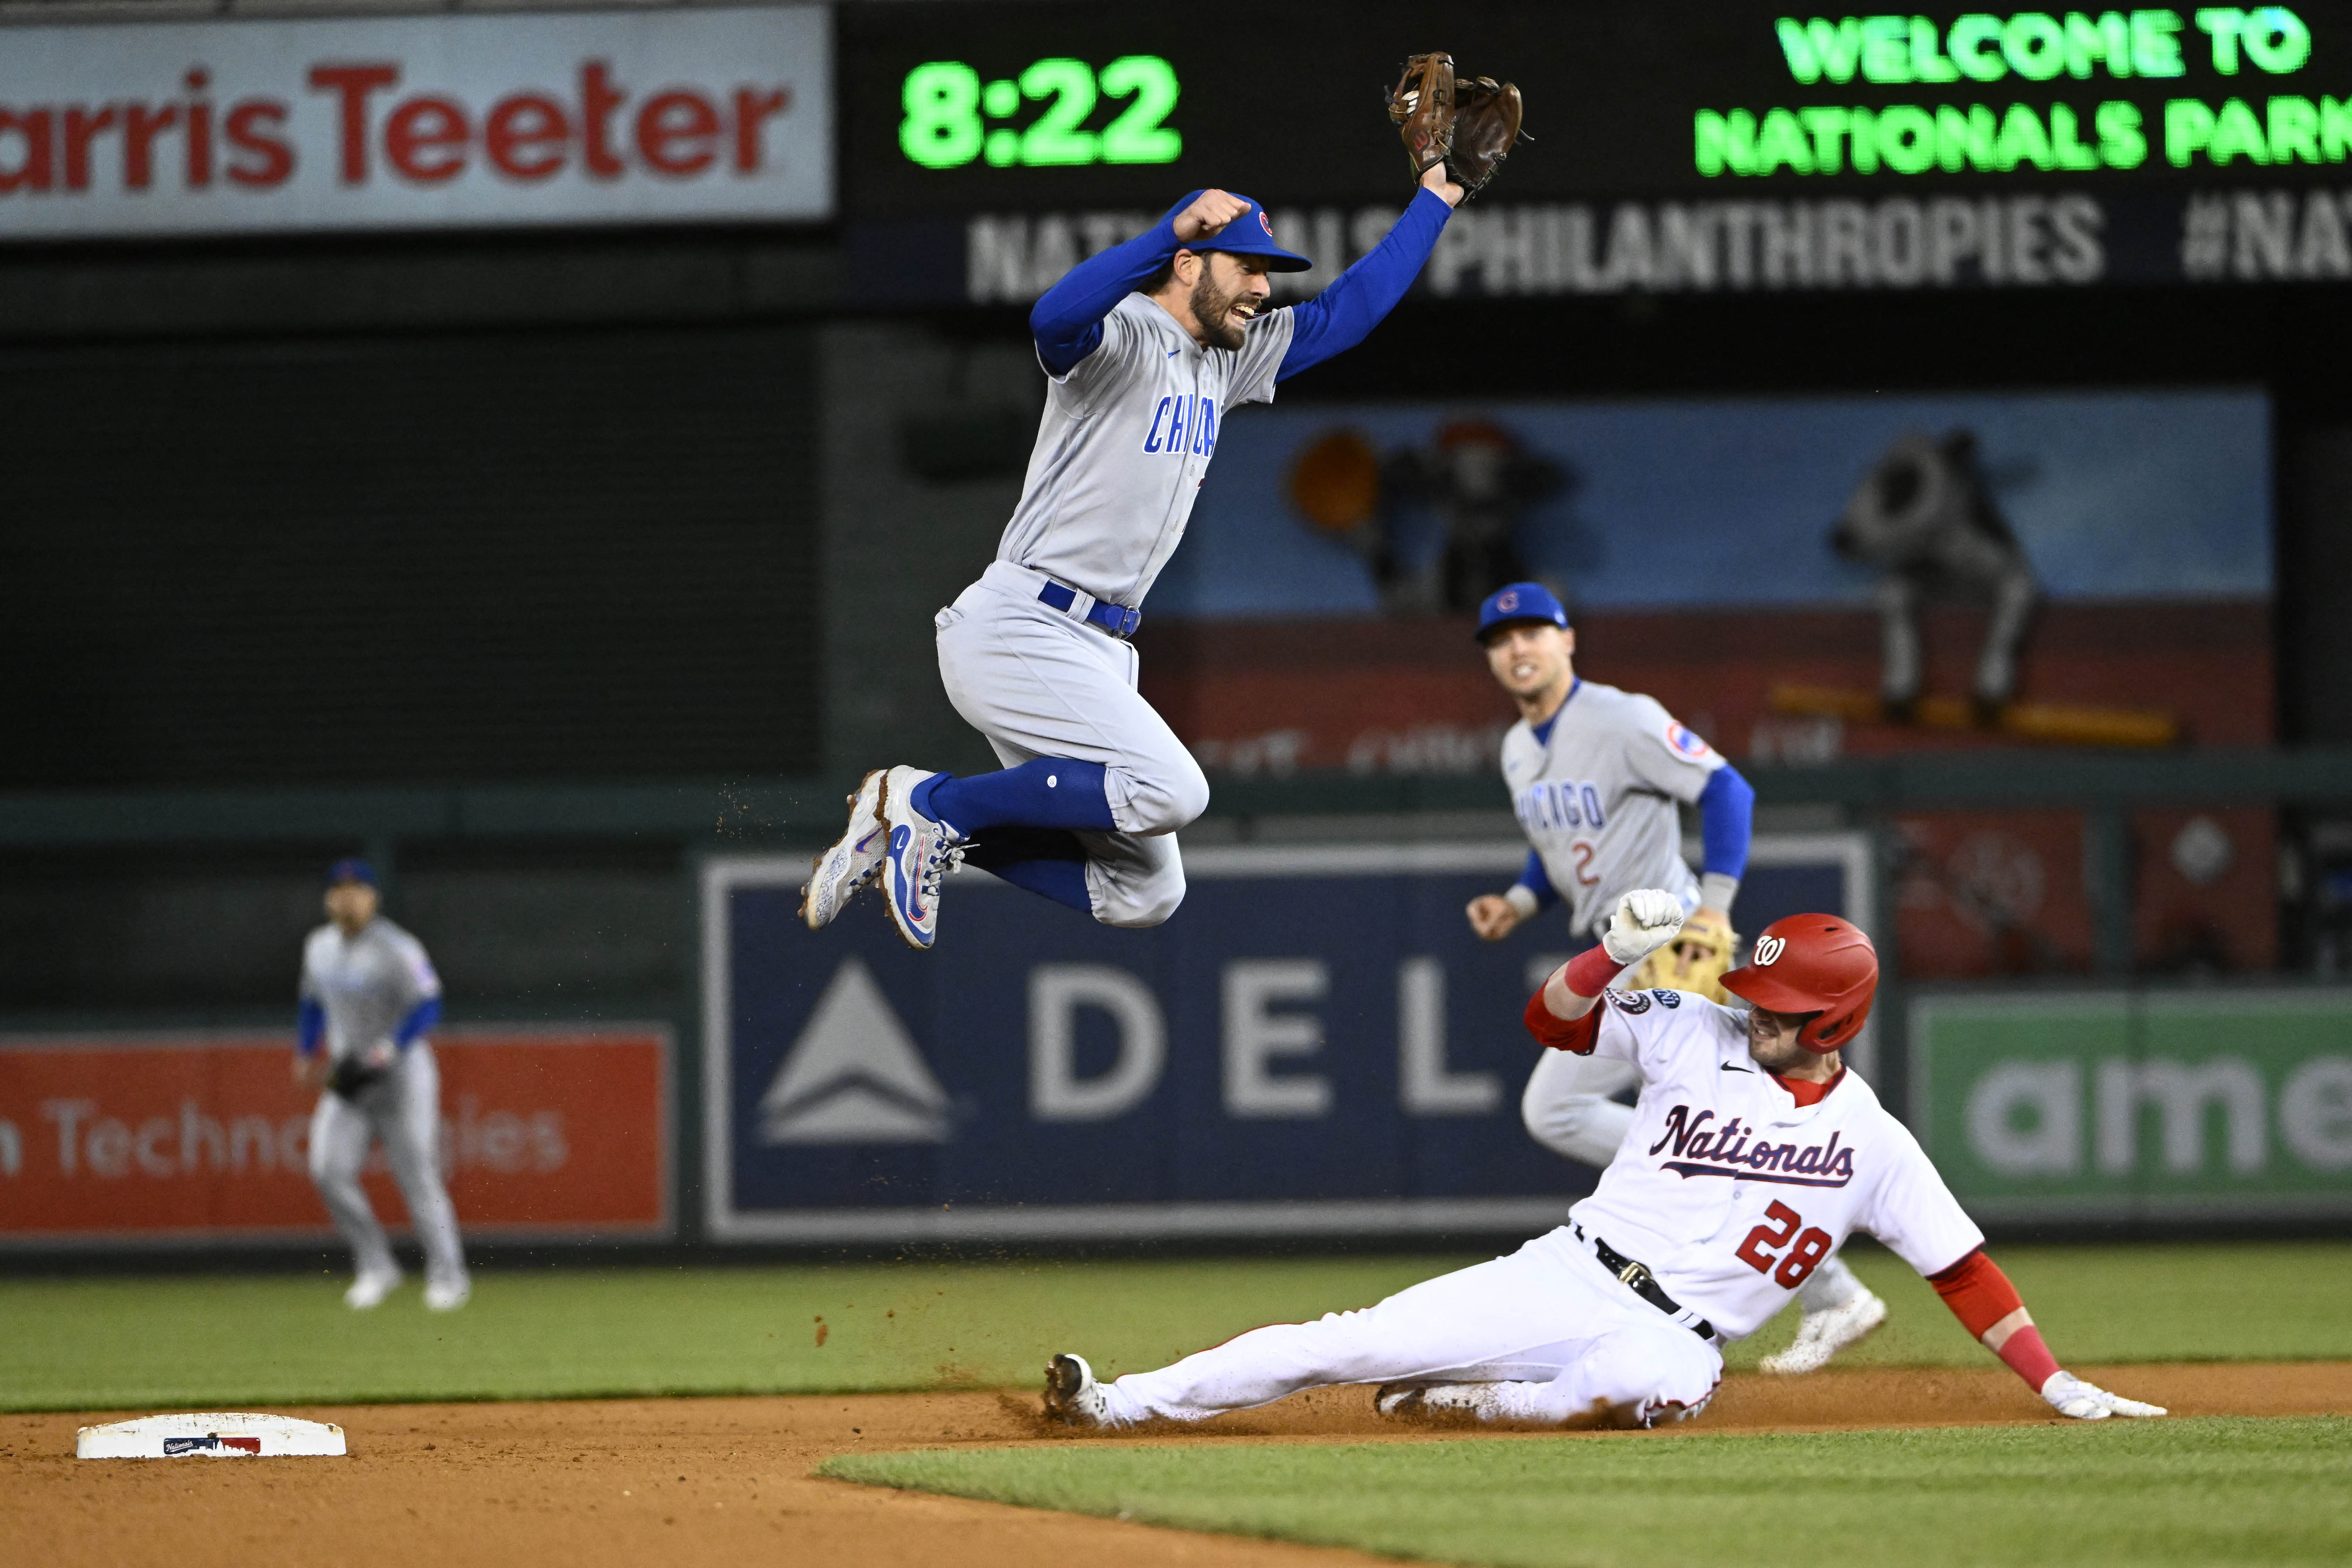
351, 870
1251, 234
1519, 602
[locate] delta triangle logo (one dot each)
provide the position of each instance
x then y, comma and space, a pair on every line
855, 1075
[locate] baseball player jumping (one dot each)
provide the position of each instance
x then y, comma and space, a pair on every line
1147, 349
369, 995
1594, 775
1754, 1154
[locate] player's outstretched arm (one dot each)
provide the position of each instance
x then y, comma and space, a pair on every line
1561, 1013
1344, 314
1067, 320
1988, 1306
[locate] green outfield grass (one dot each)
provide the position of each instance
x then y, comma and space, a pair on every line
113, 1343
2147, 1493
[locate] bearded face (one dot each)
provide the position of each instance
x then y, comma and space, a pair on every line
1226, 297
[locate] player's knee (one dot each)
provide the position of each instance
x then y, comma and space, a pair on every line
1169, 795
1644, 1376
1147, 901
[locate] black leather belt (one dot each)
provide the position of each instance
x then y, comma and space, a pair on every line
1637, 1278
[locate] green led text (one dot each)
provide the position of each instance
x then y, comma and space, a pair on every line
2037, 45
947, 111
1913, 139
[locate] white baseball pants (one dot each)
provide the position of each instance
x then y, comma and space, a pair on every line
403, 1109
1038, 683
1555, 1333
1568, 1108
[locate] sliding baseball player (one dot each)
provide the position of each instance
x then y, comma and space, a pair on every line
1753, 1155
369, 996
1595, 774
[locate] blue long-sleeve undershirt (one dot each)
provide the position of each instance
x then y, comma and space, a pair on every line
1537, 880
421, 1017
1340, 317
310, 1027
1727, 817
1066, 321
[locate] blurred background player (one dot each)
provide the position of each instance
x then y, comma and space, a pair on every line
369, 995
1926, 518
1146, 347
1595, 774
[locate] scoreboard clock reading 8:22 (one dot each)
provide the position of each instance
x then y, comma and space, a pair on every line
954, 119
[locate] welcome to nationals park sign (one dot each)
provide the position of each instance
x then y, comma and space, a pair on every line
416, 121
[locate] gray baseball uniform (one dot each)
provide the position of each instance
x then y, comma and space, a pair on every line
368, 986
1033, 655
1124, 444
1597, 797
1122, 447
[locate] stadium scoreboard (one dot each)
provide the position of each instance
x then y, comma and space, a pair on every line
954, 108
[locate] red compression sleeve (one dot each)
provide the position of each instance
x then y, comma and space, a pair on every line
1576, 1035
1589, 975
1988, 1306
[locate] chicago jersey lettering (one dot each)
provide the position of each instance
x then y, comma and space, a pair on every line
1597, 797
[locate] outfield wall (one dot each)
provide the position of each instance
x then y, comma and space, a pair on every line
1317, 1046
2137, 1106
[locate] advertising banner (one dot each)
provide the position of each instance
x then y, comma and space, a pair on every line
1316, 1045
193, 1136
416, 121
2138, 1105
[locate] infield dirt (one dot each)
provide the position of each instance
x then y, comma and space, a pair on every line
603, 1484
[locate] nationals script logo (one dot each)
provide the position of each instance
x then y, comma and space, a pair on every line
1731, 1151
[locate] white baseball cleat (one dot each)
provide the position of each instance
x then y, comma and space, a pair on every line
370, 1289
920, 851
446, 1296
1072, 1396
855, 859
1421, 1401
1820, 1335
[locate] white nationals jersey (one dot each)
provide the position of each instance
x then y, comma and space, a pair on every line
1596, 797
1733, 1193
1124, 444
367, 984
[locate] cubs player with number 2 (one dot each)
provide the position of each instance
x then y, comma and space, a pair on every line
1754, 1153
1146, 347
1594, 775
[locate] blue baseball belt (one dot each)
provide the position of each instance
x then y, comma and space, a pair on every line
1117, 620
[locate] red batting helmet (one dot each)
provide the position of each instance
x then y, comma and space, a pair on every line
1812, 963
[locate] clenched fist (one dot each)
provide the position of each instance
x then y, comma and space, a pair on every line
1644, 922
1210, 212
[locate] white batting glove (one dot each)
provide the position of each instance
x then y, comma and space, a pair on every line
2070, 1396
1644, 921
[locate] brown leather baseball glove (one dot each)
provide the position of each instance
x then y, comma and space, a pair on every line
1467, 123
1695, 961
1422, 105
1485, 125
